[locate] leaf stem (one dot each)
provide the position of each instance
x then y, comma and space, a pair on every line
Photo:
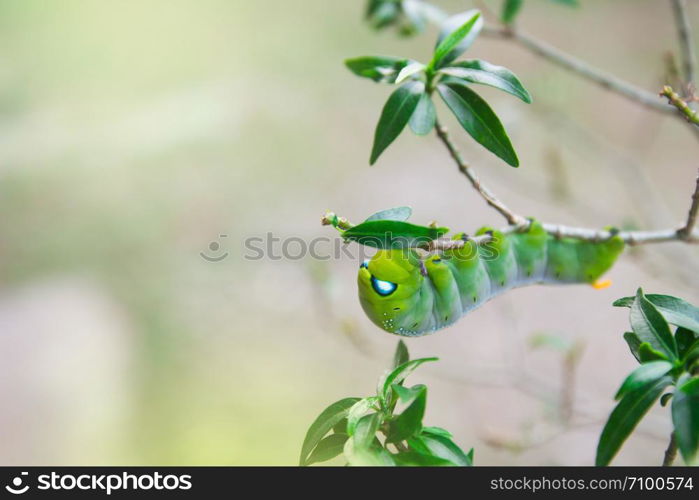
686, 231
490, 198
681, 105
670, 452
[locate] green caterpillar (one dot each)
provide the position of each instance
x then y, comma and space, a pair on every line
408, 296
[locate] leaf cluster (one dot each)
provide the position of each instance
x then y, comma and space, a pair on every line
669, 361
412, 104
383, 429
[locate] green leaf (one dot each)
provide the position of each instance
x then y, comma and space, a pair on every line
436, 431
440, 446
396, 115
510, 9
415, 15
675, 311
322, 425
374, 455
651, 327
692, 355
415, 459
377, 68
366, 430
462, 28
410, 70
469, 455
569, 3
644, 374
328, 448
424, 117
357, 411
401, 355
482, 72
397, 213
685, 417
381, 13
647, 354
398, 374
409, 422
340, 427
685, 340
623, 420
392, 234
634, 344
476, 117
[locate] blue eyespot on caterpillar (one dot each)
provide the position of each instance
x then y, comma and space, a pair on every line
383, 288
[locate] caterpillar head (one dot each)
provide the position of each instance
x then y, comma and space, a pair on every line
388, 289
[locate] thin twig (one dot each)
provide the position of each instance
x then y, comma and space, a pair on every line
674, 99
687, 52
671, 452
596, 75
688, 228
490, 198
630, 237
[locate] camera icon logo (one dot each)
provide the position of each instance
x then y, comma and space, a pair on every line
16, 487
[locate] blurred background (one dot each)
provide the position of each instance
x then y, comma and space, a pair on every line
139, 137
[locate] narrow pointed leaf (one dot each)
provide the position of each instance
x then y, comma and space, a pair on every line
685, 340
482, 72
401, 355
651, 327
675, 311
392, 234
647, 372
357, 411
456, 38
377, 68
476, 117
400, 373
465, 27
410, 70
625, 417
328, 448
439, 446
685, 418
436, 431
323, 424
424, 117
366, 430
409, 422
395, 116
510, 9
634, 344
372, 456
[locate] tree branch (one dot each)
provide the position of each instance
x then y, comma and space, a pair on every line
631, 238
595, 75
673, 98
490, 198
670, 452
686, 231
687, 52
